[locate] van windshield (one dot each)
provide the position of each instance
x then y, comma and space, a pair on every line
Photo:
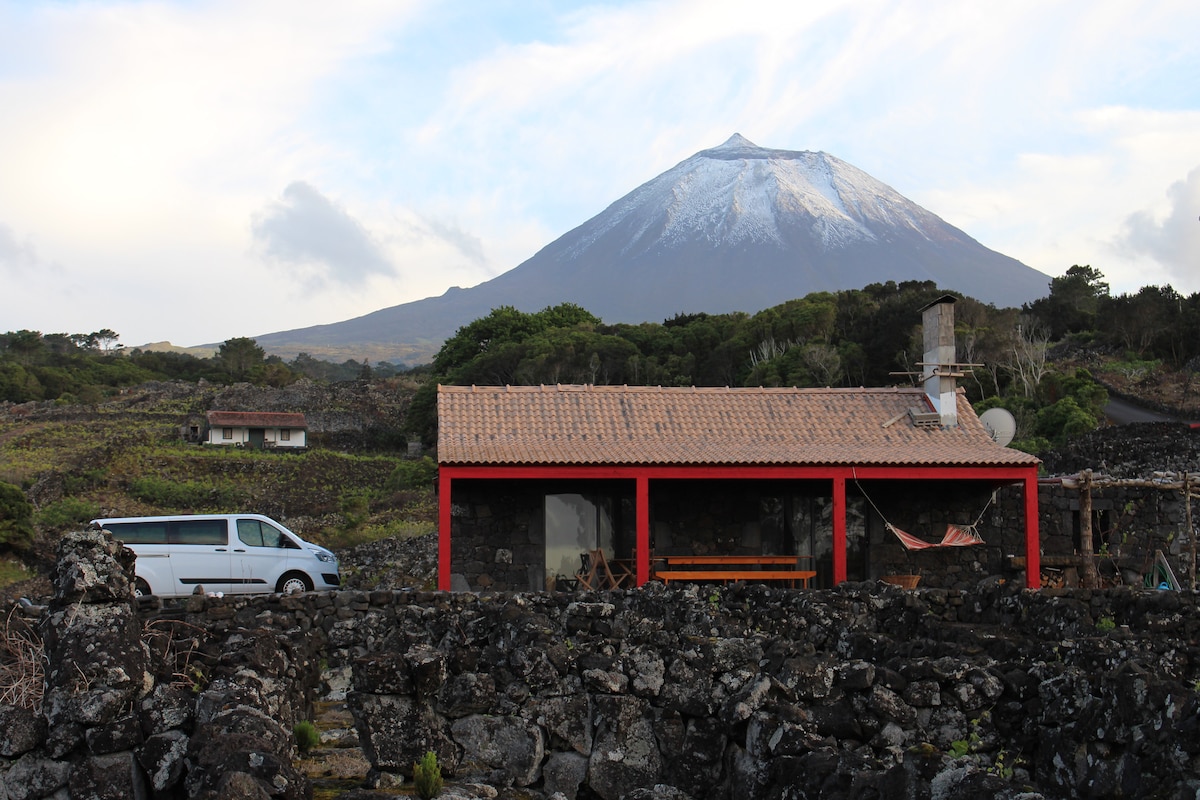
257, 533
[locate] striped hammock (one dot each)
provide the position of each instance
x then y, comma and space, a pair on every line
954, 537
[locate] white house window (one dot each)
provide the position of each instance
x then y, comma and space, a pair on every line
285, 434
226, 433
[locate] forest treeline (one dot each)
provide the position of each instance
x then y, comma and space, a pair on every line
865, 337
85, 367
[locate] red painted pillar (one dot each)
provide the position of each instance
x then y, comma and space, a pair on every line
642, 503
1033, 548
444, 496
839, 529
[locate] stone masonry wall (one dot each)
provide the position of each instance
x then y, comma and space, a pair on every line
707, 693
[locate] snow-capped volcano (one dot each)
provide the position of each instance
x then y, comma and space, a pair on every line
734, 228
741, 228
739, 192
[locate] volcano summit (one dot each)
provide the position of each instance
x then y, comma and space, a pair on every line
734, 228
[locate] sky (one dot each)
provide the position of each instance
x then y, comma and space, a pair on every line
198, 170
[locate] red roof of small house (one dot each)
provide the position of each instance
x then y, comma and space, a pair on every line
583, 425
256, 419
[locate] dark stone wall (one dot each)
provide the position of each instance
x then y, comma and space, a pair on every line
498, 539
192, 701
750, 691
708, 693
1129, 522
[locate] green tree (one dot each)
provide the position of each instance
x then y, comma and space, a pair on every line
503, 324
1073, 303
26, 346
276, 373
1064, 420
16, 518
18, 384
1144, 323
241, 358
105, 339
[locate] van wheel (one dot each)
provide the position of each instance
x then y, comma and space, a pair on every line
294, 582
141, 588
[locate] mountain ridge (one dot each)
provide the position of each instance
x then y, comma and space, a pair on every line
736, 227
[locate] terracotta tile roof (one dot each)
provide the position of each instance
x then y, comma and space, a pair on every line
255, 419
527, 425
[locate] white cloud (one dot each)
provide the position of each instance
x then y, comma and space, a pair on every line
307, 230
1173, 239
15, 257
441, 145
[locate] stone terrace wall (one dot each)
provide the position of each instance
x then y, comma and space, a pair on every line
196, 701
757, 692
864, 691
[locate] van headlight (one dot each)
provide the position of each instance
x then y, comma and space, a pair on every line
328, 558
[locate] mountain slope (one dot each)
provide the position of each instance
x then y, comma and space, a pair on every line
734, 228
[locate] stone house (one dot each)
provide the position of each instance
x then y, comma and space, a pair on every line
1137, 484
258, 429
533, 477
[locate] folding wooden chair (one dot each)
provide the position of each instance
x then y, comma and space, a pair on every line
595, 573
586, 574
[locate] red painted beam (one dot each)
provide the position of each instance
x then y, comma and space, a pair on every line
642, 504
445, 482
1033, 555
839, 530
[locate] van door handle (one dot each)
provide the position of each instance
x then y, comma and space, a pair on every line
239, 551
220, 550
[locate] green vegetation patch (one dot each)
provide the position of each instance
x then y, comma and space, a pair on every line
174, 495
66, 514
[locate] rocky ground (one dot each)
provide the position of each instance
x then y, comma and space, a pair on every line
1130, 451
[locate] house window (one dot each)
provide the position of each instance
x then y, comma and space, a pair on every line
285, 435
226, 433
576, 523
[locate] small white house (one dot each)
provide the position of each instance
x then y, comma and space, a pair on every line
260, 429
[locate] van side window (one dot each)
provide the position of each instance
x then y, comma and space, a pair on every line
257, 533
138, 532
198, 531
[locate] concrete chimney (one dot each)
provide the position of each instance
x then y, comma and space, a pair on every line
939, 367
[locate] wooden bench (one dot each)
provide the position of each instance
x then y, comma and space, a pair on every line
727, 569
727, 575
726, 560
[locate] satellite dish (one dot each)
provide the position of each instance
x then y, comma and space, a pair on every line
1000, 424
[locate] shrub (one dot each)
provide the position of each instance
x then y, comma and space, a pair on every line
16, 518
412, 474
427, 776
191, 495
306, 735
356, 507
67, 512
76, 482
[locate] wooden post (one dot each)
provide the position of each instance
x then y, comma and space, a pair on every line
1091, 578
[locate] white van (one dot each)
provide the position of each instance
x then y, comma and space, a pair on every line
234, 553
